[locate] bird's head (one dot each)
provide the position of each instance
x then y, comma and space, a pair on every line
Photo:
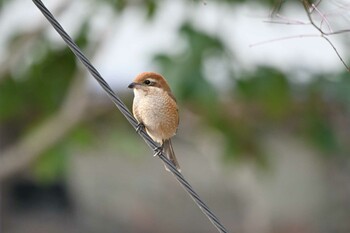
148, 80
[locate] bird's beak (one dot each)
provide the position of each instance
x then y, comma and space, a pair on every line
132, 85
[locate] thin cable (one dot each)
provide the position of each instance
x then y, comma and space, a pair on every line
124, 110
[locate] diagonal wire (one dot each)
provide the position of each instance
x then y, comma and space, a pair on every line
124, 110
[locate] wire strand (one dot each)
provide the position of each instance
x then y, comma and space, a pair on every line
124, 110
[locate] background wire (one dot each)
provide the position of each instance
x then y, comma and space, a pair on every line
124, 110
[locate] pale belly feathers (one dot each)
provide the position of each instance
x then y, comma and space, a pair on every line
159, 115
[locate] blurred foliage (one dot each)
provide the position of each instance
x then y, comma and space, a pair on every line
188, 66
51, 75
150, 6
262, 91
261, 100
28, 98
33, 95
52, 165
256, 101
2, 3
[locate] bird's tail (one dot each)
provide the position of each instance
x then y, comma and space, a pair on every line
169, 151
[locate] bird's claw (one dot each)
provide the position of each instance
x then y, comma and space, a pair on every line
140, 126
158, 151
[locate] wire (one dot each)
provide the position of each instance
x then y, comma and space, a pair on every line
124, 110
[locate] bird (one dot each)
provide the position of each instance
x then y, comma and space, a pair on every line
155, 108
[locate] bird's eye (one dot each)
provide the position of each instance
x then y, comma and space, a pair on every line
147, 82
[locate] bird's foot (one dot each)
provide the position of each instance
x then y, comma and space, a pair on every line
158, 151
140, 126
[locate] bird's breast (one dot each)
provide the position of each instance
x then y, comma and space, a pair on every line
157, 111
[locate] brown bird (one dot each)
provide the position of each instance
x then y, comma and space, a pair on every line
155, 108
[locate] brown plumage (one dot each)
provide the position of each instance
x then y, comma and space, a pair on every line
155, 107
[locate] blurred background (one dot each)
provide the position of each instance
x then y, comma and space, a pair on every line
264, 134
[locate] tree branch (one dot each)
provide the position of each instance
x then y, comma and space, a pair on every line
309, 9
